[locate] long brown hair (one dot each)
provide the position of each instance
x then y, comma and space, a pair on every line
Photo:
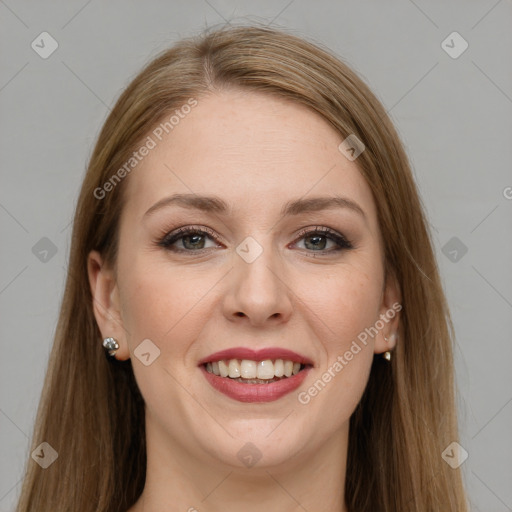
91, 412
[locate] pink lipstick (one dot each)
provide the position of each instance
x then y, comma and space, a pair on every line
248, 375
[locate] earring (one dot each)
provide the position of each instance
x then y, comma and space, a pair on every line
387, 355
110, 345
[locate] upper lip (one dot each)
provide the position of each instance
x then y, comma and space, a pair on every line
272, 353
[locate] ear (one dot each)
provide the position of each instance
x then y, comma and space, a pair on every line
389, 314
105, 301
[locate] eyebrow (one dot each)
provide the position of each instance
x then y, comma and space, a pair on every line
217, 205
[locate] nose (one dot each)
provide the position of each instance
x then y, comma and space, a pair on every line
258, 292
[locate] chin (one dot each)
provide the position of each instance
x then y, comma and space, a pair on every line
257, 444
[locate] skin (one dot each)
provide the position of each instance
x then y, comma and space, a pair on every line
256, 152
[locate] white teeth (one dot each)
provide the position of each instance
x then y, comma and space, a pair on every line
247, 369
223, 369
279, 368
234, 368
266, 369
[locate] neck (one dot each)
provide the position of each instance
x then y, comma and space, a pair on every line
176, 479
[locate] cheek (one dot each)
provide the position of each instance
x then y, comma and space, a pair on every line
344, 309
164, 305
345, 302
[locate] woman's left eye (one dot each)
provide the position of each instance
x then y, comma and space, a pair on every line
194, 239
318, 237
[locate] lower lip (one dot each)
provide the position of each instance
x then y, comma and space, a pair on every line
255, 392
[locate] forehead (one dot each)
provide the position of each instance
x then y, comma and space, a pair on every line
251, 149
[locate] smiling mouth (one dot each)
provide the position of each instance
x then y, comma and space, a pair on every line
246, 371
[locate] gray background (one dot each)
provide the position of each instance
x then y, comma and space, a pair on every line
454, 116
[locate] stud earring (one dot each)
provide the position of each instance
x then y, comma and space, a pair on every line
110, 345
387, 355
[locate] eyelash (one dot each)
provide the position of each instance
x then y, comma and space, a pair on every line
168, 239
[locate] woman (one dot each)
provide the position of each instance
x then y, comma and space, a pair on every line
251, 254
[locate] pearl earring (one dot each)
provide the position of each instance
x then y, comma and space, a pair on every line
387, 355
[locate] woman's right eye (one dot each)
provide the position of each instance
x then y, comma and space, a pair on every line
191, 240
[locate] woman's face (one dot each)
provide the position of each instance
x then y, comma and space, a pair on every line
253, 282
